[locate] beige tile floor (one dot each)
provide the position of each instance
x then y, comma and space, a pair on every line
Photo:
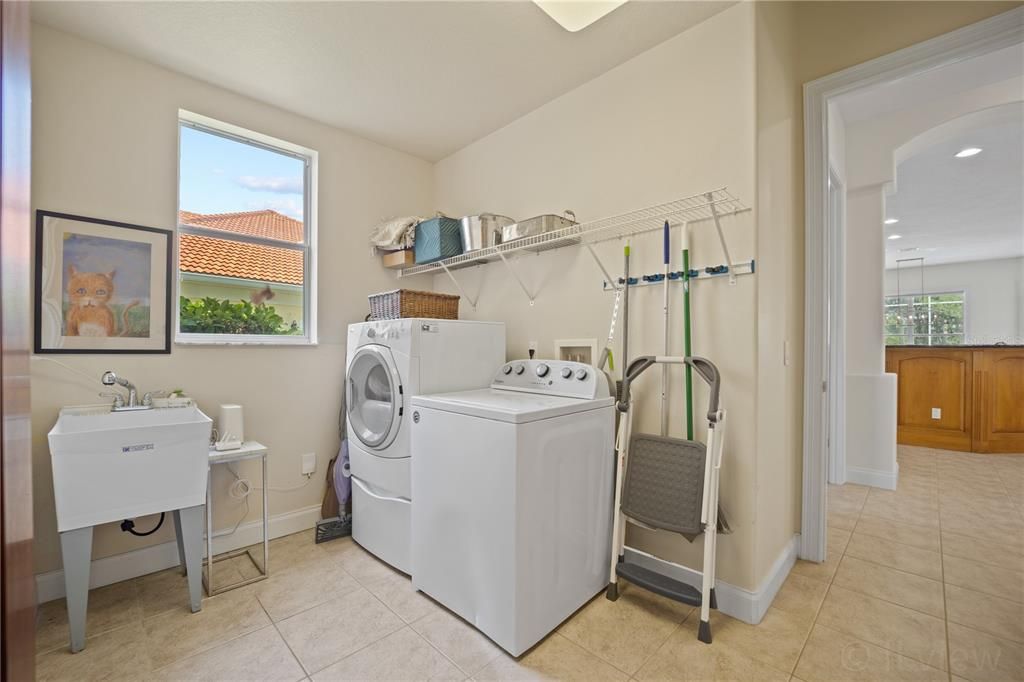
923, 583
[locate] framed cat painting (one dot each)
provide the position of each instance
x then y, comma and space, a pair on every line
101, 286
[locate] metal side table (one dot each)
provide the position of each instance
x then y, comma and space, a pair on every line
250, 450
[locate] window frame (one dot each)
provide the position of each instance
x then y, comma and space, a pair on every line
907, 339
309, 246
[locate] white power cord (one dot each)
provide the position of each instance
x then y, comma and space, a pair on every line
242, 488
79, 372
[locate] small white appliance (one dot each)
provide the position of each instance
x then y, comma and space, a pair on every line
229, 428
389, 361
513, 486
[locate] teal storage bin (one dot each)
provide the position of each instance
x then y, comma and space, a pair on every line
437, 239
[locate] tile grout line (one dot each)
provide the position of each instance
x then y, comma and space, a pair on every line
673, 631
887, 601
945, 606
443, 654
273, 624
818, 614
404, 624
828, 589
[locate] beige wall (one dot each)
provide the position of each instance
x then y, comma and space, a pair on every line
779, 286
676, 120
837, 35
105, 145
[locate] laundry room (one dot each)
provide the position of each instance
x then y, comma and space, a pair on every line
353, 356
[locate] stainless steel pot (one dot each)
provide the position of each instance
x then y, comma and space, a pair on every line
535, 226
481, 231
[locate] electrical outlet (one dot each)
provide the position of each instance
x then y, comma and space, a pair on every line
936, 413
533, 346
308, 463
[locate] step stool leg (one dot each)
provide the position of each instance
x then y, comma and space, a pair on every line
76, 552
612, 593
704, 632
706, 578
191, 522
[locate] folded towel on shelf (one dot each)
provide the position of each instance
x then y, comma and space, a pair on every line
395, 233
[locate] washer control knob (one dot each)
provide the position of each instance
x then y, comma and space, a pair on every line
520, 369
567, 372
507, 369
581, 374
542, 370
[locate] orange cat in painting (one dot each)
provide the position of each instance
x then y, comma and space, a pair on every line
89, 313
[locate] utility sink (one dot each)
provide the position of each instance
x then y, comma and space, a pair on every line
109, 466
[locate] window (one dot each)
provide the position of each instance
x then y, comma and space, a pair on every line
925, 319
246, 236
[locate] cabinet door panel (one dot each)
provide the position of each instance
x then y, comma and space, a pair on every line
933, 379
999, 400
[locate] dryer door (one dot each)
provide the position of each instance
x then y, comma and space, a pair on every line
374, 397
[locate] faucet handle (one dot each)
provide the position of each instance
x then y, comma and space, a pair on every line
118, 398
147, 398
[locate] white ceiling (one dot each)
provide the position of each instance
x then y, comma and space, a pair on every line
914, 91
424, 77
954, 210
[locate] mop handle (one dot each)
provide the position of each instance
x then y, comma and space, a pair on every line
664, 370
665, 250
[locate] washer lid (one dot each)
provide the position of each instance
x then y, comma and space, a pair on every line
507, 406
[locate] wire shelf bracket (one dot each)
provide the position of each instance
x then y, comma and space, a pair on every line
706, 206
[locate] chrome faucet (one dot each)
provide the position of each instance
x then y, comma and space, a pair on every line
109, 379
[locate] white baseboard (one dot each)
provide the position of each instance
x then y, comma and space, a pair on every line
737, 602
872, 477
114, 569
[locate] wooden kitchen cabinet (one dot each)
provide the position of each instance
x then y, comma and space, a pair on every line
959, 398
999, 400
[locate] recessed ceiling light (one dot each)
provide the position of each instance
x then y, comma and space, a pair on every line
577, 15
891, 221
895, 236
968, 151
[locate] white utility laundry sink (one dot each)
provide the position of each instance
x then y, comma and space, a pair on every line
110, 465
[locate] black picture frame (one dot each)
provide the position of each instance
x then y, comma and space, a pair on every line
43, 333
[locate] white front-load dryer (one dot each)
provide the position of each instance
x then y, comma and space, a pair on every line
389, 361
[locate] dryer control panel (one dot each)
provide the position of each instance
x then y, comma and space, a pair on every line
552, 377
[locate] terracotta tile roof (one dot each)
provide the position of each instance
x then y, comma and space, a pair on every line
267, 224
229, 258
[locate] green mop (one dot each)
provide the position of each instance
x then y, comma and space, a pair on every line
686, 330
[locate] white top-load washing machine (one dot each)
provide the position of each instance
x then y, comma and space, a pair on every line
389, 361
513, 487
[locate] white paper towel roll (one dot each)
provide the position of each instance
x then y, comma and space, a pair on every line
229, 423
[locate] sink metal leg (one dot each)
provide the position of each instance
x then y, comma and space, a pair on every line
190, 520
76, 551
181, 546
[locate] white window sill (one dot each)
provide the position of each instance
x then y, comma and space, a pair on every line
242, 340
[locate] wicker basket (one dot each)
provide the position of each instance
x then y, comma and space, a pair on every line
391, 305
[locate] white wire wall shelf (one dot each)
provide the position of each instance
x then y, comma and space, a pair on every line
707, 206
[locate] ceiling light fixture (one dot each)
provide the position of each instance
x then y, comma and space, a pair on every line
895, 236
967, 151
891, 221
577, 15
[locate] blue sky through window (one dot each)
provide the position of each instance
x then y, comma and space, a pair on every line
218, 175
